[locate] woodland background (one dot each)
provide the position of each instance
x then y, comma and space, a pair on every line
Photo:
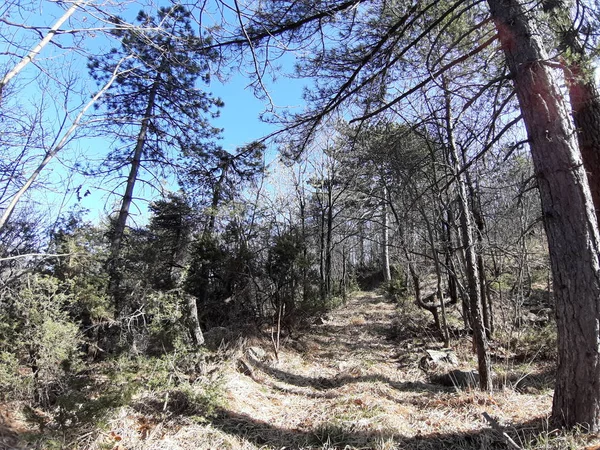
415, 167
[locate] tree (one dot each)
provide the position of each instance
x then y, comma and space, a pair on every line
156, 104
80, 268
60, 144
170, 238
333, 194
39, 46
363, 76
43, 100
397, 162
215, 180
472, 268
583, 92
569, 216
171, 227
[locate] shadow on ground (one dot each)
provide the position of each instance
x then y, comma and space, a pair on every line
349, 436
339, 380
9, 435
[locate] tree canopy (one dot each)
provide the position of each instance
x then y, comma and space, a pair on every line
436, 139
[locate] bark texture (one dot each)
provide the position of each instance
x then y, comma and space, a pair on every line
569, 215
583, 94
480, 341
585, 104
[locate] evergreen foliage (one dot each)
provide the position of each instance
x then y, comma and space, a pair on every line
425, 188
163, 59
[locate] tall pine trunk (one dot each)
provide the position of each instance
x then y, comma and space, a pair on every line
583, 95
119, 228
484, 362
585, 104
569, 215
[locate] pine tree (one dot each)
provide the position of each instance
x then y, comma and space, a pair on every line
154, 105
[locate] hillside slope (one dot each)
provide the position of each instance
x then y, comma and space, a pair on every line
344, 383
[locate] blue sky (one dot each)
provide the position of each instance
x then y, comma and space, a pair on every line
240, 119
240, 116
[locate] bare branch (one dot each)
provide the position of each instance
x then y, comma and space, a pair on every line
38, 48
58, 147
44, 255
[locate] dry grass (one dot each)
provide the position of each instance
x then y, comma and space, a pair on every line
349, 386
357, 320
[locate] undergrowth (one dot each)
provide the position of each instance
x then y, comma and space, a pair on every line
357, 387
157, 387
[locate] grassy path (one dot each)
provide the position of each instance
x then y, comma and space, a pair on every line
350, 386
343, 384
342, 388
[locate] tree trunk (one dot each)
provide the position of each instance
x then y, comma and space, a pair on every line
344, 280
472, 272
38, 48
486, 301
216, 198
193, 321
119, 230
385, 253
583, 95
305, 279
569, 216
50, 154
322, 287
329, 241
361, 245
585, 104
451, 268
443, 325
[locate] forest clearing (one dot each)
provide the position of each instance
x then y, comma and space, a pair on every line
353, 381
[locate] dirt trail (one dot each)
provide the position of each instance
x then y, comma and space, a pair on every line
345, 384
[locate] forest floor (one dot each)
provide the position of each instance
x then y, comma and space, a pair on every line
350, 382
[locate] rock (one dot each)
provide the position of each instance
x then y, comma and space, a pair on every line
457, 378
256, 353
244, 368
437, 358
537, 319
445, 355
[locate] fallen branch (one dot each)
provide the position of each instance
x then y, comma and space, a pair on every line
498, 429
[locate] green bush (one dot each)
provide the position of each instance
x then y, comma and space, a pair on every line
12, 383
39, 334
395, 289
536, 343
167, 328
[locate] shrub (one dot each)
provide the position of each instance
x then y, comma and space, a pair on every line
38, 333
12, 384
